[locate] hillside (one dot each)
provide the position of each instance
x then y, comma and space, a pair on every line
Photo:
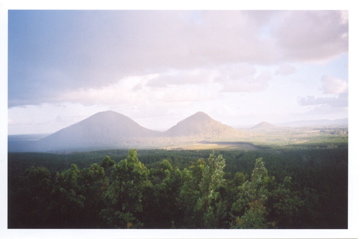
111, 130
200, 126
264, 125
103, 130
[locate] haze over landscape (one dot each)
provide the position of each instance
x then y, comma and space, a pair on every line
180, 119
158, 67
111, 130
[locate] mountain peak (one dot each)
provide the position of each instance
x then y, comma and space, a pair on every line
264, 125
200, 115
106, 113
106, 129
200, 126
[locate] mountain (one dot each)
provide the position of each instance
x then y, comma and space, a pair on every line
201, 127
101, 131
264, 125
111, 130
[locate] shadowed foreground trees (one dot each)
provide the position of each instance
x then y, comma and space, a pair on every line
128, 194
123, 198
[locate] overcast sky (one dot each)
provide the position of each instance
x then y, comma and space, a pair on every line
159, 67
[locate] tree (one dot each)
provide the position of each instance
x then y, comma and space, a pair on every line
250, 209
107, 164
124, 196
262, 201
67, 198
161, 209
94, 183
189, 193
28, 205
286, 204
200, 197
210, 204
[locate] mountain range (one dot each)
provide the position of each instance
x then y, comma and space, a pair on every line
110, 130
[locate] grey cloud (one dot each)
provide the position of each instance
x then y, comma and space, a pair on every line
55, 51
339, 101
312, 35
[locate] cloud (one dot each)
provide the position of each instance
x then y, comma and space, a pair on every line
330, 85
339, 101
285, 70
174, 88
312, 35
242, 78
192, 77
121, 92
52, 52
333, 85
136, 92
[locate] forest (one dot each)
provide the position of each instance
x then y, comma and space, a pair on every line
282, 188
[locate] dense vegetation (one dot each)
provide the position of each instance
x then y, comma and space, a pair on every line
284, 188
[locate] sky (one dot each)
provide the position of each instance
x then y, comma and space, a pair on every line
159, 67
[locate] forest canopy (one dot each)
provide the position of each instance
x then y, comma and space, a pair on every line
230, 190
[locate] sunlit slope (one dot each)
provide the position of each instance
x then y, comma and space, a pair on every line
202, 127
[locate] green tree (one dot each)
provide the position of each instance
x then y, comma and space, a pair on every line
161, 209
189, 193
28, 204
94, 183
67, 198
210, 204
107, 164
124, 196
286, 205
200, 196
262, 202
250, 209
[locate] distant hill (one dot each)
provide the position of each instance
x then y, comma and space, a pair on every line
110, 130
264, 125
101, 131
201, 126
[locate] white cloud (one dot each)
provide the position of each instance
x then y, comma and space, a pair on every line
333, 85
243, 78
136, 91
191, 77
285, 70
121, 92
